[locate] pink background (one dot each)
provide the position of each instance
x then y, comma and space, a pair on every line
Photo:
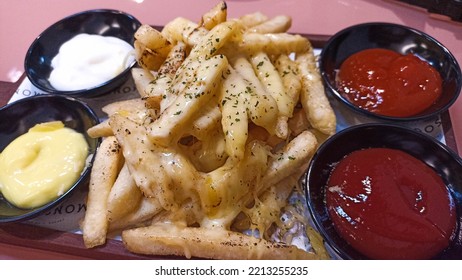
21, 21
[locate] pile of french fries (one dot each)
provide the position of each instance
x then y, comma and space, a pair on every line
203, 163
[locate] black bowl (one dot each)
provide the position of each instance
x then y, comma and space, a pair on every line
439, 157
38, 59
16, 119
401, 39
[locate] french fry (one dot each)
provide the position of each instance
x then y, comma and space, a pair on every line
274, 44
215, 16
146, 58
272, 82
214, 40
253, 19
169, 126
158, 93
288, 71
234, 103
317, 242
144, 212
278, 24
153, 40
124, 196
204, 125
184, 30
184, 216
293, 156
141, 78
205, 49
172, 62
299, 123
165, 240
108, 161
100, 130
133, 109
313, 97
123, 107
263, 109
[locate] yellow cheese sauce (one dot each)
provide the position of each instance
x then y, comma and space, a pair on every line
42, 164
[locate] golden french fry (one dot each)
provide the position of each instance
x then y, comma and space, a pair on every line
259, 133
147, 58
294, 155
272, 82
145, 210
234, 103
141, 78
299, 123
124, 196
124, 107
253, 19
205, 124
205, 49
278, 24
100, 130
108, 161
215, 39
263, 109
288, 162
167, 239
274, 44
313, 97
133, 109
169, 127
288, 71
172, 62
215, 16
183, 216
159, 94
153, 40
184, 30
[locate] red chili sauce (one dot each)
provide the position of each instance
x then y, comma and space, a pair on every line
388, 83
389, 205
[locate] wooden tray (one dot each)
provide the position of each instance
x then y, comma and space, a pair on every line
30, 236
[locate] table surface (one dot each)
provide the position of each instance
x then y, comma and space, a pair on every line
22, 21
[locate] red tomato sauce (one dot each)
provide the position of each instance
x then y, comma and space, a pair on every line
389, 205
388, 83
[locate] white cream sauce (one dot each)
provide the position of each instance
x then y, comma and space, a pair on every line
86, 61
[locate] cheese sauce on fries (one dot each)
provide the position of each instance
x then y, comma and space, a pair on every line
228, 123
